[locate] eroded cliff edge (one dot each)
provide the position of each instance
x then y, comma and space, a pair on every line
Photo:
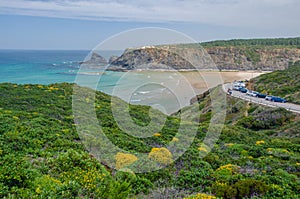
225, 58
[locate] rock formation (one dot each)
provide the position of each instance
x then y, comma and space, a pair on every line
95, 59
225, 58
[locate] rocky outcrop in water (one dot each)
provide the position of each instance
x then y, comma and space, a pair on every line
95, 59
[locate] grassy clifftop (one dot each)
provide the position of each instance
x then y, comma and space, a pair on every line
276, 42
284, 83
41, 155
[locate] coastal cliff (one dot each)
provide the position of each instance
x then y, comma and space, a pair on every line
224, 58
236, 54
149, 58
243, 58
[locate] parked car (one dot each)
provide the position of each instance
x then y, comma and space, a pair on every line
243, 90
278, 99
239, 84
236, 87
261, 95
254, 94
268, 97
250, 93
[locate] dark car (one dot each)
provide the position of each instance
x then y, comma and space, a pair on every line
278, 99
243, 90
261, 95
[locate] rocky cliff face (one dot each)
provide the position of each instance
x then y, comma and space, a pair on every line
241, 58
149, 58
224, 58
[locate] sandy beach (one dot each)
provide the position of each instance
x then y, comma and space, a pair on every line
170, 89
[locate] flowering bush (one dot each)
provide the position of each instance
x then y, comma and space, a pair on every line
161, 155
124, 159
202, 149
201, 196
229, 144
229, 167
241, 189
88, 179
260, 142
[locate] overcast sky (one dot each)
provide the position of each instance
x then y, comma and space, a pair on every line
82, 24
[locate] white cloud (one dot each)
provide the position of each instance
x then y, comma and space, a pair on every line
235, 13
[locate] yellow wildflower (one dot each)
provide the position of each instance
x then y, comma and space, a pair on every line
15, 117
124, 159
260, 142
229, 167
65, 130
38, 190
229, 144
156, 134
161, 155
285, 151
202, 149
201, 196
53, 88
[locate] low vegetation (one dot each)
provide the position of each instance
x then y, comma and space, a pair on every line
277, 42
41, 155
283, 83
250, 43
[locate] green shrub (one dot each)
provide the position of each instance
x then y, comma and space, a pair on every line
242, 189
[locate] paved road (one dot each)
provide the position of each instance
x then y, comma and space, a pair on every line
288, 106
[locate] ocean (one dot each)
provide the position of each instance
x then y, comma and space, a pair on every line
166, 91
39, 67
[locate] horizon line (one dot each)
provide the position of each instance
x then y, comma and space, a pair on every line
199, 42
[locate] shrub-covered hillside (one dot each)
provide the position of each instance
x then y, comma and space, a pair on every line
283, 83
278, 42
255, 43
41, 155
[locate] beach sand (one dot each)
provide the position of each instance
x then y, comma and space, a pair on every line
204, 80
171, 89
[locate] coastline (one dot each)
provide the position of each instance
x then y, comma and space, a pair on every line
188, 70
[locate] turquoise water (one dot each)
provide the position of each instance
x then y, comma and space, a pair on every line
158, 89
47, 67
167, 91
39, 67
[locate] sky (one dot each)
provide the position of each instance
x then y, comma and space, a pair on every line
83, 24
